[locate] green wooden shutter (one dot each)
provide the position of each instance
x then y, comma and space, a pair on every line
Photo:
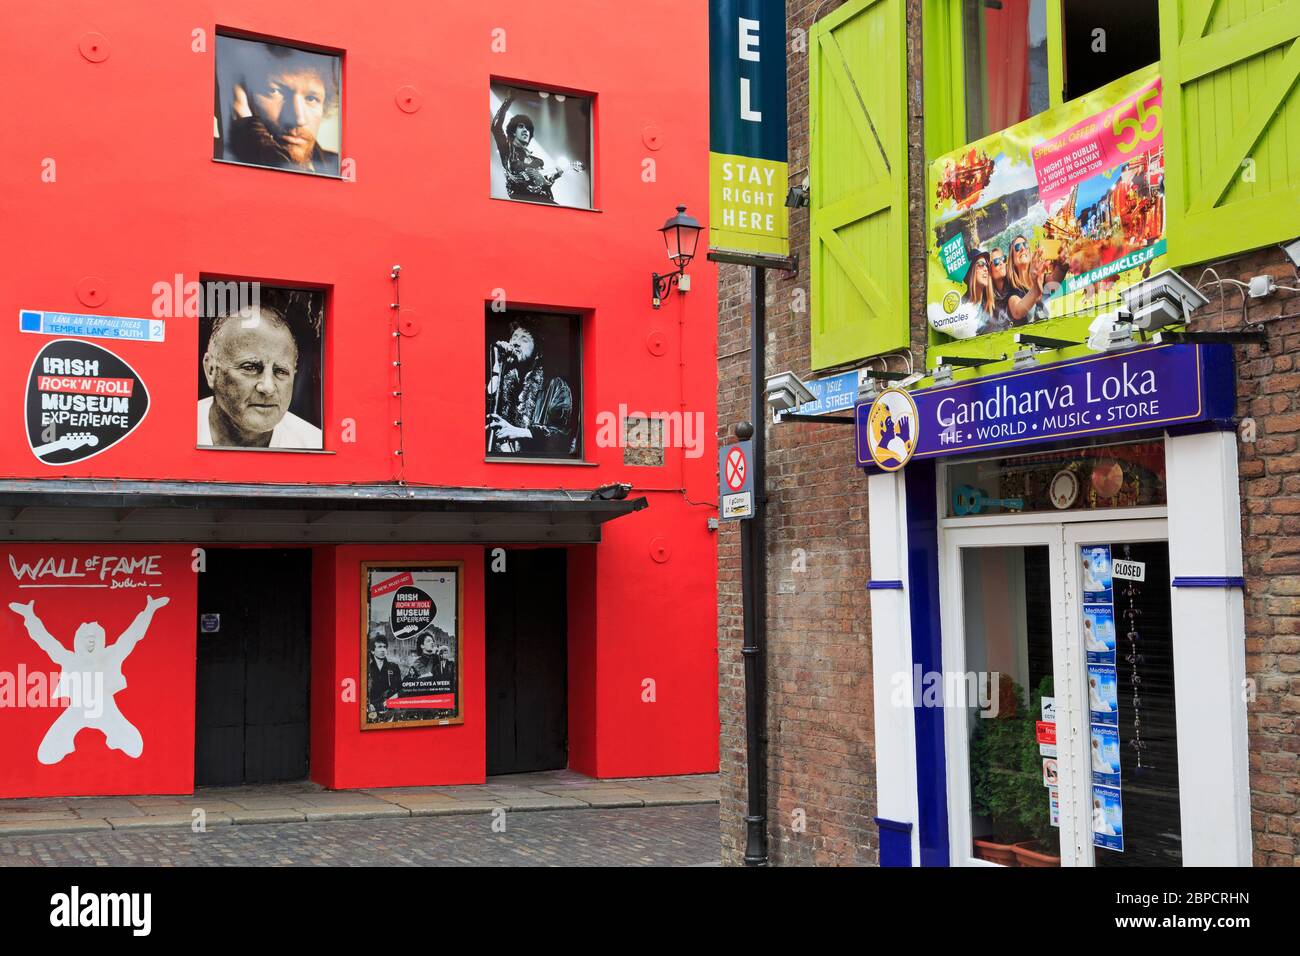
858, 182
1232, 125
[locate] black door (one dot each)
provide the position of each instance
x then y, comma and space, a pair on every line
527, 681
253, 680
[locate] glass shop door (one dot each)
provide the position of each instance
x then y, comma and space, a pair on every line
1060, 711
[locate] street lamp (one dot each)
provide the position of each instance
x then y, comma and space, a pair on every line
681, 234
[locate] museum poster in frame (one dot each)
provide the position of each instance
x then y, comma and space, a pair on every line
412, 644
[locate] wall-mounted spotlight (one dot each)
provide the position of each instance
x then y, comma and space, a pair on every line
681, 234
1292, 250
614, 492
798, 197
1166, 298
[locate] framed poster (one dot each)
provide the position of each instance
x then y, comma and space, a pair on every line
261, 367
412, 645
533, 369
277, 106
541, 146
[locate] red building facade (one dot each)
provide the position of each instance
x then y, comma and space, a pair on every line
599, 625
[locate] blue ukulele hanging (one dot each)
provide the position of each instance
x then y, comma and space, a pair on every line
967, 500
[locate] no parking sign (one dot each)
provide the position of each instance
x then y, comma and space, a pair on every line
736, 481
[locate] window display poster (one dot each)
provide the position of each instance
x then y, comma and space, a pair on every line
1104, 747
1103, 695
1099, 633
1097, 582
1054, 216
1107, 818
412, 648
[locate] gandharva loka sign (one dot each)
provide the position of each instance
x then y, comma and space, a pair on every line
1154, 386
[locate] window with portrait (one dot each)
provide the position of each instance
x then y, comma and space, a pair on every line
533, 370
540, 149
261, 367
277, 106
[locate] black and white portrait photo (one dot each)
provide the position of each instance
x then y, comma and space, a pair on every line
261, 372
412, 647
277, 106
541, 146
534, 384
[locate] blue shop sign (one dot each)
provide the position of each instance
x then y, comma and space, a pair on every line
1153, 386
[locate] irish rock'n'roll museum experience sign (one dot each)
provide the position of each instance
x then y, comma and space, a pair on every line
1154, 386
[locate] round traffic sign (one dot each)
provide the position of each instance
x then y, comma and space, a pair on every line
736, 469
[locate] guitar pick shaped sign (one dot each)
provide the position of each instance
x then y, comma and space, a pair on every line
81, 400
412, 612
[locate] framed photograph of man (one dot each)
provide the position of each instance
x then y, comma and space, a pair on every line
277, 106
541, 146
261, 367
412, 646
534, 385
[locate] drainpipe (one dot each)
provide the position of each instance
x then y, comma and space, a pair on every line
753, 559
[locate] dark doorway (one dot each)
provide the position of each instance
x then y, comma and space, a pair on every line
527, 663
253, 680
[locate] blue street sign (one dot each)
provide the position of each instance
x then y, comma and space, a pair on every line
84, 326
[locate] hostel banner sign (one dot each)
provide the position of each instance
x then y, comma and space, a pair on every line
1051, 217
747, 127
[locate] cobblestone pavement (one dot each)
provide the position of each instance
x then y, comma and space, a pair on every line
309, 802
644, 836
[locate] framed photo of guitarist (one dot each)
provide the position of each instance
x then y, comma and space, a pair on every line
541, 146
534, 385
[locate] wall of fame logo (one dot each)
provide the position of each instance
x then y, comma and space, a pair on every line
892, 429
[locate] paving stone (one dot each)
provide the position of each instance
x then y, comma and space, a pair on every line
657, 836
61, 826
356, 813
168, 820
240, 817
458, 807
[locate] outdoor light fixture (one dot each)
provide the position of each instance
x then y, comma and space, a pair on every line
797, 197
785, 392
1164, 299
1292, 250
614, 492
1043, 341
681, 233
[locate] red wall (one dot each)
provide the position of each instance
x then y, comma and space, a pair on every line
138, 199
408, 756
158, 699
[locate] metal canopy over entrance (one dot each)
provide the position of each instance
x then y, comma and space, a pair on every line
97, 510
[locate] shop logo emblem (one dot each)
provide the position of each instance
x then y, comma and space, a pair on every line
81, 400
892, 429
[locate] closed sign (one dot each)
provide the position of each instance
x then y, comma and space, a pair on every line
1129, 570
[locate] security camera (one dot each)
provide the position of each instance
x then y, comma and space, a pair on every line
1164, 299
785, 392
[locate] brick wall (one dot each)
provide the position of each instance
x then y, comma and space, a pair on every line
1268, 398
819, 637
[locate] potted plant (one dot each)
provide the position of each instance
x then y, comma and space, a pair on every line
1007, 781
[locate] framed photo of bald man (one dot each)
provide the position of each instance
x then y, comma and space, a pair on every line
277, 106
261, 374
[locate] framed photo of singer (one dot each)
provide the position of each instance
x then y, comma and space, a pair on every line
533, 370
540, 150
412, 646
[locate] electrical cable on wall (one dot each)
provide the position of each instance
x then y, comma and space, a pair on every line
398, 423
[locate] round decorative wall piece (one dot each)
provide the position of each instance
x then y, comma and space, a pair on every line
1064, 489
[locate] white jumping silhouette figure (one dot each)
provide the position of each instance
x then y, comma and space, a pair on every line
91, 657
